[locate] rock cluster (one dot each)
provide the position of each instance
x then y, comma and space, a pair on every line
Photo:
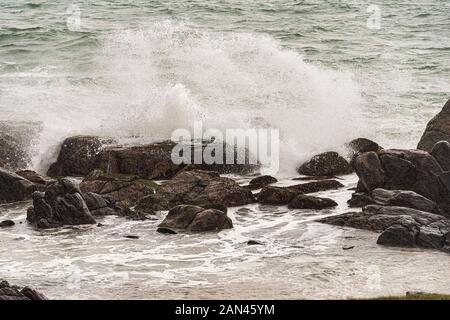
8, 292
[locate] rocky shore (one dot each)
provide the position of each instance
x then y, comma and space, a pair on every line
404, 195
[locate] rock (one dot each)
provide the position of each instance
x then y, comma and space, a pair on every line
7, 223
284, 195
61, 204
441, 152
166, 231
325, 164
40, 181
8, 292
14, 188
359, 199
277, 195
16, 142
261, 181
79, 155
347, 247
359, 146
195, 219
437, 129
119, 187
310, 202
202, 188
370, 171
254, 243
131, 236
403, 198
399, 226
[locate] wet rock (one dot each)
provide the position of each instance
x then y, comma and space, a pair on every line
166, 231
441, 152
61, 204
310, 202
8, 292
254, 243
195, 219
261, 181
370, 171
325, 164
131, 236
403, 198
119, 187
79, 155
202, 188
399, 226
276, 195
347, 247
437, 129
359, 199
40, 181
284, 195
359, 146
7, 223
14, 187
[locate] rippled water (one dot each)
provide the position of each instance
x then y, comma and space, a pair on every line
140, 69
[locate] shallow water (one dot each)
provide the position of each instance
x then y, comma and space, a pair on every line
299, 258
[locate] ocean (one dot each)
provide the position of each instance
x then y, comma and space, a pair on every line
322, 72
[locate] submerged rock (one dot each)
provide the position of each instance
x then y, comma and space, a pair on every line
197, 187
399, 226
61, 204
437, 129
195, 219
325, 164
261, 181
7, 223
14, 187
8, 292
309, 202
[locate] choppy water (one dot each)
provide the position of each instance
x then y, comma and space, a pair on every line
313, 69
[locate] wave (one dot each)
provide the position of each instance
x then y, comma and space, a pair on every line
148, 82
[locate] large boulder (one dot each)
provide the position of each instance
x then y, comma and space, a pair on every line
61, 204
399, 226
325, 164
359, 146
437, 129
197, 187
79, 155
14, 187
8, 292
403, 198
195, 219
120, 187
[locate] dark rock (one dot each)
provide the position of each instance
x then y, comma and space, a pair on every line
100, 224
79, 155
131, 236
400, 226
254, 243
195, 219
437, 129
359, 199
284, 195
14, 188
119, 187
7, 223
34, 177
325, 164
196, 187
61, 204
8, 292
348, 247
261, 181
359, 146
441, 152
310, 202
370, 171
403, 198
315, 178
276, 195
166, 231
